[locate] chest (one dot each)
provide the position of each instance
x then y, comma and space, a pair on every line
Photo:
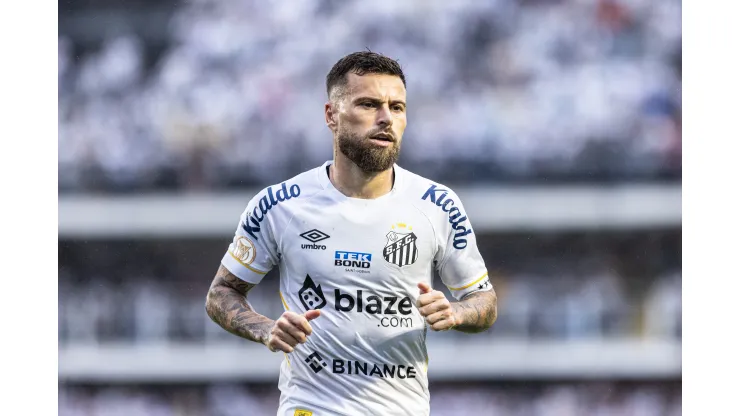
382, 248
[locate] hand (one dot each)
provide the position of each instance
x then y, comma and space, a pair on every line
290, 329
435, 308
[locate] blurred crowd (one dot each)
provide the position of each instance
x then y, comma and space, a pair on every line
553, 287
498, 90
558, 399
141, 308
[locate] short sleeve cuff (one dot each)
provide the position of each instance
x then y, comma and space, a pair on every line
247, 272
480, 283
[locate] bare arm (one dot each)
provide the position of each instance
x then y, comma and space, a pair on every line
226, 305
475, 312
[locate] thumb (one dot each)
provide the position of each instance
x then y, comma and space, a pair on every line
424, 288
312, 314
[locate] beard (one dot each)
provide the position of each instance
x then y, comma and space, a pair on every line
367, 156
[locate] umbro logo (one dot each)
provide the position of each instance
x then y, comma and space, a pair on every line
314, 236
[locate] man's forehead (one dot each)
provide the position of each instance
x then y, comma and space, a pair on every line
376, 84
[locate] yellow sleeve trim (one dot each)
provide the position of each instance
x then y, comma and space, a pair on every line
287, 309
283, 299
470, 284
246, 265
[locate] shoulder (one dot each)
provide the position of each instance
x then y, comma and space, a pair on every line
273, 203
441, 204
428, 195
290, 191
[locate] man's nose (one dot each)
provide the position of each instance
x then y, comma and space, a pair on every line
385, 118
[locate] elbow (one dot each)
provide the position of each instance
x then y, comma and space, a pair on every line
211, 305
494, 317
495, 307
492, 312
489, 320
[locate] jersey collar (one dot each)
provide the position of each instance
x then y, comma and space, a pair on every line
323, 176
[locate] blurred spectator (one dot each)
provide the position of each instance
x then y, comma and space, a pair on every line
663, 307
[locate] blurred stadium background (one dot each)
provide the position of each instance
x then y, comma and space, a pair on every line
557, 121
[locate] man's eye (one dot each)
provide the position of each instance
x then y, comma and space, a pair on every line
368, 104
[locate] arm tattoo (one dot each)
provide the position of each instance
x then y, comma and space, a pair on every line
227, 306
478, 311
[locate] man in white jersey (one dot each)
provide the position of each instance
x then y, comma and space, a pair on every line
357, 241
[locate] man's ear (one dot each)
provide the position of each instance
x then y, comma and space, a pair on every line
330, 116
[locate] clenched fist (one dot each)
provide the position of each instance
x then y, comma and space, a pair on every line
290, 330
435, 308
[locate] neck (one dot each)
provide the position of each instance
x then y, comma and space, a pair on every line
355, 183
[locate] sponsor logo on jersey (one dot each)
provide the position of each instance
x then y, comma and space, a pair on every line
314, 236
312, 297
315, 362
456, 217
243, 250
356, 368
353, 261
395, 309
303, 412
372, 304
360, 368
395, 322
252, 224
400, 248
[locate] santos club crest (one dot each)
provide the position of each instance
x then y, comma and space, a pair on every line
401, 247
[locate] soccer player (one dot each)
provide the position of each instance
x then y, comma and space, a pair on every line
357, 241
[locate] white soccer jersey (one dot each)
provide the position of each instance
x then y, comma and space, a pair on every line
359, 261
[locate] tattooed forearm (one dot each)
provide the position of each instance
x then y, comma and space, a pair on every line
227, 306
476, 312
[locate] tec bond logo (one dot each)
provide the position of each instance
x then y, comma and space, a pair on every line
315, 362
353, 261
456, 217
314, 236
312, 297
254, 218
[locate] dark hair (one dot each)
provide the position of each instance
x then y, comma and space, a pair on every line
361, 63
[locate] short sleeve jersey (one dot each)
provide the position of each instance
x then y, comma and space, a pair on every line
359, 261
